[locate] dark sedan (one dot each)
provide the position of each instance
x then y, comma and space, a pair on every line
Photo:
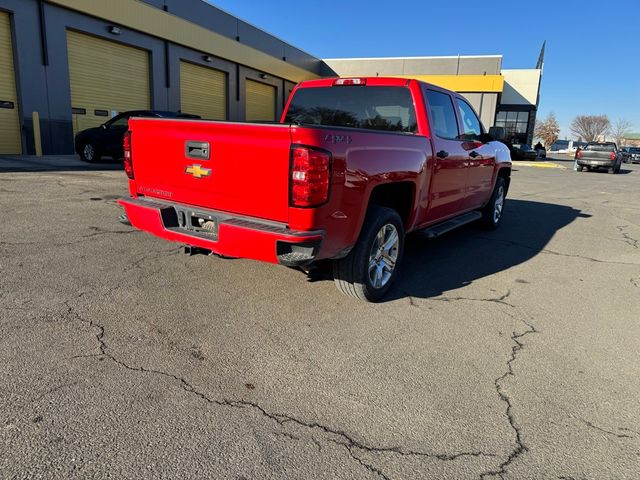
106, 140
522, 151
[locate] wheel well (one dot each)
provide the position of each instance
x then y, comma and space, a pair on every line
398, 196
506, 174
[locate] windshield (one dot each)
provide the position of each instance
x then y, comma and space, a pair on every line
372, 108
600, 147
634, 150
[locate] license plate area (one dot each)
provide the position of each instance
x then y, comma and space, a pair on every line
195, 222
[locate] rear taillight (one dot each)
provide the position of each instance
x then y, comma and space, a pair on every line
613, 155
128, 159
579, 154
310, 172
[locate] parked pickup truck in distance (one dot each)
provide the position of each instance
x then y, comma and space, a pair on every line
353, 166
595, 155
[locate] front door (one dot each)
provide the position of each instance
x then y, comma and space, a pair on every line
481, 157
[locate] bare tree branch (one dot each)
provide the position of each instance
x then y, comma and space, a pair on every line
620, 130
590, 128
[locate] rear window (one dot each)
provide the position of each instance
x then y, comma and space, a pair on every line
373, 108
634, 150
599, 147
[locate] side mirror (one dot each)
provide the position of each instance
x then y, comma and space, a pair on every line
486, 138
497, 133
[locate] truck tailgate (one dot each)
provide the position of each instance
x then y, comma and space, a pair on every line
594, 155
246, 173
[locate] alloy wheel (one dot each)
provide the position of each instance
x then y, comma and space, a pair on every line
384, 255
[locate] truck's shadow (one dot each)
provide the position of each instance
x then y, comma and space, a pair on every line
432, 267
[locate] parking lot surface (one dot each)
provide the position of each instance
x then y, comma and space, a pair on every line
506, 354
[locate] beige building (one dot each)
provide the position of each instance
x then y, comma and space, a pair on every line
506, 98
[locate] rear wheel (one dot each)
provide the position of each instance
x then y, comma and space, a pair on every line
89, 152
370, 269
492, 212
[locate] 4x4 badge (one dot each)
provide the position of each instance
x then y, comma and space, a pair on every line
198, 171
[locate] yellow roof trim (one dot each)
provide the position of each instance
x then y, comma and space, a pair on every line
153, 21
462, 83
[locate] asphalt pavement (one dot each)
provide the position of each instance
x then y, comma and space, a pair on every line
509, 354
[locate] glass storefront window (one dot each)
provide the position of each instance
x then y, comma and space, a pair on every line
515, 125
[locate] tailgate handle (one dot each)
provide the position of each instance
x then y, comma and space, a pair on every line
199, 150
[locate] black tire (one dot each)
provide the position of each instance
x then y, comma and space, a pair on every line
490, 219
579, 168
352, 273
89, 152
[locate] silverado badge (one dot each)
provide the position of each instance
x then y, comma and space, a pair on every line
197, 171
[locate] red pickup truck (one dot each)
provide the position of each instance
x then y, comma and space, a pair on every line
353, 165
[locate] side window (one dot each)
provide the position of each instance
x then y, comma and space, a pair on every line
442, 114
470, 122
119, 122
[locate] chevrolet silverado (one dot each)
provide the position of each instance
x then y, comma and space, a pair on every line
353, 165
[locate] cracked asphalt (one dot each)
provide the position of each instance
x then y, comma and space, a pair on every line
509, 354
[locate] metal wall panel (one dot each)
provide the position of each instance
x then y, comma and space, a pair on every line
153, 21
10, 141
203, 91
105, 77
260, 101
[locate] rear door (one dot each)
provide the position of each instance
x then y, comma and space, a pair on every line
449, 178
481, 157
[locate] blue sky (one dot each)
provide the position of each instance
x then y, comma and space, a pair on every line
592, 62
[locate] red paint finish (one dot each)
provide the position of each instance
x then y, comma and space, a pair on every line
234, 241
252, 172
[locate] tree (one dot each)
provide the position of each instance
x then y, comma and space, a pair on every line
590, 127
548, 130
620, 130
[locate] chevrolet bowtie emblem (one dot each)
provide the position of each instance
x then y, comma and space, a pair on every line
198, 171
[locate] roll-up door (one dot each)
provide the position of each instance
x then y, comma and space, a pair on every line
260, 101
203, 91
106, 78
9, 118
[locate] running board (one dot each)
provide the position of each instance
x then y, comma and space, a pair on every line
444, 227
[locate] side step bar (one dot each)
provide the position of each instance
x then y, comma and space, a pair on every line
444, 227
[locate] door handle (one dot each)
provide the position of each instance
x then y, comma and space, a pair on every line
474, 154
442, 154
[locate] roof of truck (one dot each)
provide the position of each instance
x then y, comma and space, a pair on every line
371, 81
